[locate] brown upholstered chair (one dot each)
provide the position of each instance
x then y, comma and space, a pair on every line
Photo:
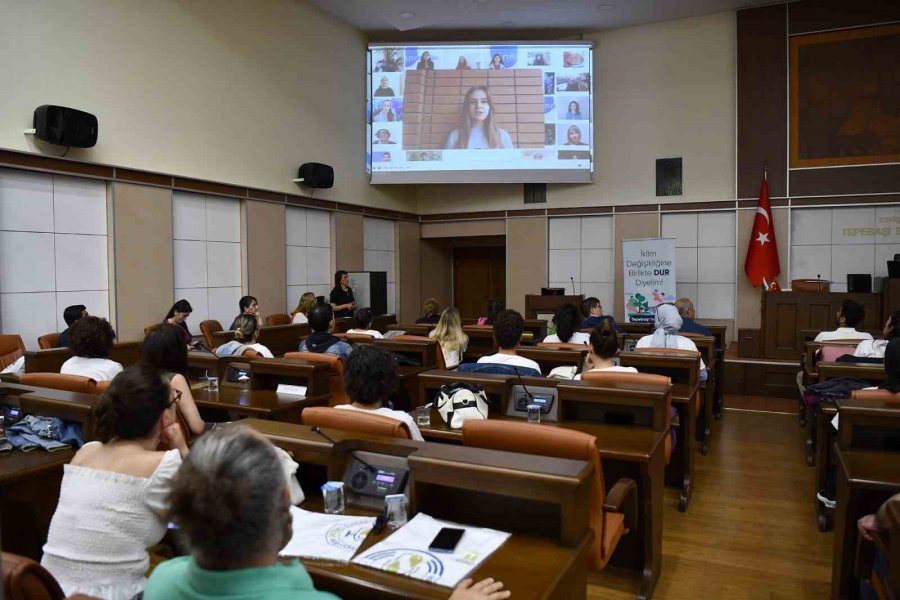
208, 328
25, 579
278, 319
102, 386
11, 348
610, 515
335, 374
60, 381
879, 395
150, 328
439, 354
614, 378
837, 348
355, 421
698, 397
48, 341
354, 337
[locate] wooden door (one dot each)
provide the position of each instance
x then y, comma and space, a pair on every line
479, 274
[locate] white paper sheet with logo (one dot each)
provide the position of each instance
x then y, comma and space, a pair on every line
329, 537
406, 551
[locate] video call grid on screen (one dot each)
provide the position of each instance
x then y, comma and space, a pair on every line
479, 113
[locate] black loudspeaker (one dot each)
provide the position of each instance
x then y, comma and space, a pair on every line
859, 284
65, 126
316, 175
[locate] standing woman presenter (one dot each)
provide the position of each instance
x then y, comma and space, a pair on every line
342, 301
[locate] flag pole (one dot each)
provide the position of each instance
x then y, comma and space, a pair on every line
766, 170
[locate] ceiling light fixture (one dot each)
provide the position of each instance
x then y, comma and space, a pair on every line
407, 15
508, 23
605, 7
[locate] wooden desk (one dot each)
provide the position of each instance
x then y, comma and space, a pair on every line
481, 342
51, 361
536, 304
706, 345
786, 314
29, 493
625, 452
279, 339
815, 426
719, 332
865, 480
546, 557
202, 363
383, 322
422, 329
241, 402
267, 373
70, 406
550, 358
684, 372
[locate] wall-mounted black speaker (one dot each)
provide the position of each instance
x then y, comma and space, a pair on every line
859, 283
65, 126
316, 175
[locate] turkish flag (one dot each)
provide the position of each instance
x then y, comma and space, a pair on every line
762, 254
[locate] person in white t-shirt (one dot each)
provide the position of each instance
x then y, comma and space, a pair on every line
363, 318
91, 340
246, 332
849, 317
665, 334
567, 320
508, 328
604, 347
370, 378
876, 348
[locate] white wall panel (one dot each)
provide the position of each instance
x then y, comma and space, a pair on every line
190, 264
318, 228
295, 226
852, 226
223, 304
96, 302
810, 227
682, 227
318, 261
198, 298
716, 229
29, 315
596, 232
296, 265
810, 262
685, 265
223, 260
26, 201
26, 262
223, 220
715, 300
79, 206
604, 292
565, 234
81, 262
851, 259
597, 265
715, 265
565, 264
188, 216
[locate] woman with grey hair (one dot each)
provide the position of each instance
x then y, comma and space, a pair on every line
665, 334
231, 503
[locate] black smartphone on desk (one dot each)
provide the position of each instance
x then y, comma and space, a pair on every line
446, 539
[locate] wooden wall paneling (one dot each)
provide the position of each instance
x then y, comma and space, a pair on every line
144, 269
436, 259
454, 229
526, 259
762, 99
409, 280
266, 258
348, 241
821, 15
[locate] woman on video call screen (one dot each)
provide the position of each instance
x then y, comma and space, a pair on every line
476, 124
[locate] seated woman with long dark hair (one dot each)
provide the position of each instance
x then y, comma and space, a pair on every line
567, 320
164, 349
177, 315
115, 491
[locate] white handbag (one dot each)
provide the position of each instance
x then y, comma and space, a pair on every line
460, 401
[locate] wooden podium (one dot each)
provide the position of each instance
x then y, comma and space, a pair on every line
537, 304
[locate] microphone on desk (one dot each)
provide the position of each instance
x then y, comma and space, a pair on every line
318, 431
574, 293
524, 387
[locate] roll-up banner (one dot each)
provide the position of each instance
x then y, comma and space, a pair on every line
649, 277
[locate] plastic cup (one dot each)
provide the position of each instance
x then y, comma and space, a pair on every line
534, 413
333, 495
423, 416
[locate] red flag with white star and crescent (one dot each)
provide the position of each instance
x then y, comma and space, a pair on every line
762, 253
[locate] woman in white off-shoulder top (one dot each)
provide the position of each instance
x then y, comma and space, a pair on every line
115, 491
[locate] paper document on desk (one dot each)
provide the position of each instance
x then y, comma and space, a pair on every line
330, 537
406, 551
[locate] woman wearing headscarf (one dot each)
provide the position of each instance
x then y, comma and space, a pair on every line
665, 334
